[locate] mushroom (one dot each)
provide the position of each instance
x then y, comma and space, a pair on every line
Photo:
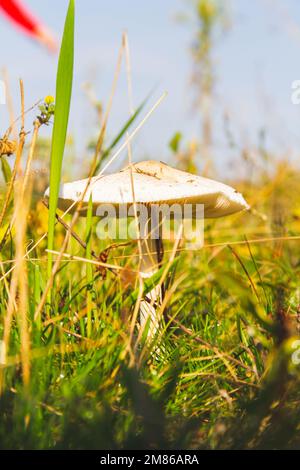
148, 185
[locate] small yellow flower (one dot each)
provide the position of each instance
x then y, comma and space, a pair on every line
49, 99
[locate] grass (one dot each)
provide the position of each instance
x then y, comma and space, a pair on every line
228, 376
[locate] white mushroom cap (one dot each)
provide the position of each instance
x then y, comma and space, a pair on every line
154, 183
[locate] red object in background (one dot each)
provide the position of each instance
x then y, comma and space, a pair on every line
17, 12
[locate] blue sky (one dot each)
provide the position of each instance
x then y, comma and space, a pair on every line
256, 62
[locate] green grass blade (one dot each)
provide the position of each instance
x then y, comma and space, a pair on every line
89, 268
37, 291
5, 170
64, 79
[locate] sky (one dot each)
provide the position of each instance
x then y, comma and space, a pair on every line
256, 61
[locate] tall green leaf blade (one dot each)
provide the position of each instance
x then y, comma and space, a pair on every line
5, 170
64, 80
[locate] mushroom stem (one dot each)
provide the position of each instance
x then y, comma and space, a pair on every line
151, 258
